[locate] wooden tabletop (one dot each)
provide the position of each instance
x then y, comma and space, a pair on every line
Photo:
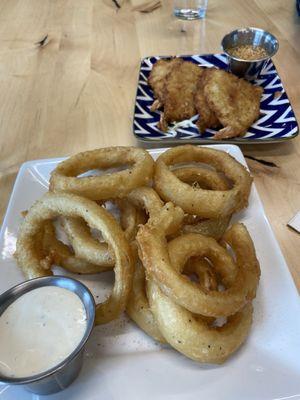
68, 75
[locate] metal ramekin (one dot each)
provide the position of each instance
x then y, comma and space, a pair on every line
245, 36
63, 374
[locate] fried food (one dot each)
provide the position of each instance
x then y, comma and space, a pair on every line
93, 251
207, 117
202, 202
180, 89
183, 328
138, 307
85, 246
169, 219
104, 187
203, 178
58, 253
157, 79
166, 272
53, 205
147, 199
131, 217
185, 89
166, 215
214, 228
201, 267
192, 336
86, 255
238, 238
235, 102
182, 280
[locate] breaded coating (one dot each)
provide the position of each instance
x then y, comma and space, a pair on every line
180, 91
157, 78
207, 118
235, 102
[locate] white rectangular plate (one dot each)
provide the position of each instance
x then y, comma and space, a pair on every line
121, 362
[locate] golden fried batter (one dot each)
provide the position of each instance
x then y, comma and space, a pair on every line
235, 102
207, 118
157, 78
179, 94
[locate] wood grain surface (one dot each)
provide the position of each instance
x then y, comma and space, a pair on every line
68, 75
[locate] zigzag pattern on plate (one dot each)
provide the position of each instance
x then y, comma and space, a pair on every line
277, 120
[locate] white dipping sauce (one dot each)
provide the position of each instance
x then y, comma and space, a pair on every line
39, 330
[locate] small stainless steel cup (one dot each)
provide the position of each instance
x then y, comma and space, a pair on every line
63, 374
249, 36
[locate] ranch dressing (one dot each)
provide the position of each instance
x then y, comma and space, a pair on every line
39, 330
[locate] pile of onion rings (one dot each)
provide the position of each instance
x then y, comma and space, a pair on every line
181, 273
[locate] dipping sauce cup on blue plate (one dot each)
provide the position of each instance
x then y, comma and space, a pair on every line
248, 50
44, 326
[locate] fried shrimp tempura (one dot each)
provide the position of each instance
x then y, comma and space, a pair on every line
179, 94
235, 102
157, 79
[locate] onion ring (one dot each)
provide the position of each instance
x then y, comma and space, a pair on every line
238, 238
206, 179
166, 215
202, 268
117, 184
60, 254
131, 217
194, 337
166, 272
190, 334
197, 201
138, 307
214, 228
56, 252
147, 199
51, 206
87, 248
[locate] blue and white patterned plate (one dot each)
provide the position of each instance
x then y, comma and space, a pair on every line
276, 123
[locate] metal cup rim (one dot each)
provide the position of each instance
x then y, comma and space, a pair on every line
35, 283
250, 28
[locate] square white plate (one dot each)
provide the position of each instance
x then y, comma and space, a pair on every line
123, 363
